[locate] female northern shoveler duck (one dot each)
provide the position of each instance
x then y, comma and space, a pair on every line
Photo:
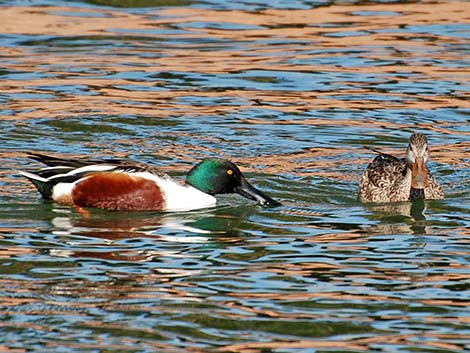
392, 179
121, 185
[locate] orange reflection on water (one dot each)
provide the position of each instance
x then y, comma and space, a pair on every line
312, 27
53, 54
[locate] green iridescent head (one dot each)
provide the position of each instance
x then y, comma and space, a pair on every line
220, 176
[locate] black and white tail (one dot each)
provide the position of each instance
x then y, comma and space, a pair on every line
44, 185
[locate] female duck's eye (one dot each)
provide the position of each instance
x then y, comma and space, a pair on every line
230, 172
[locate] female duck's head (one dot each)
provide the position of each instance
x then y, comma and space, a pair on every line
220, 176
417, 154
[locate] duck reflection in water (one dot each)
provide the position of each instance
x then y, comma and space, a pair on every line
114, 230
400, 217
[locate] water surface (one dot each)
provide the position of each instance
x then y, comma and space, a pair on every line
293, 92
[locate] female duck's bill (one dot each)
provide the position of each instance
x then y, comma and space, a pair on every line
121, 185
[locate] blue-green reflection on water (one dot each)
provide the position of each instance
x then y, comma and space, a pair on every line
293, 97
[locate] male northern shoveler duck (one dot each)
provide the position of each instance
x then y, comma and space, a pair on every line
128, 186
391, 179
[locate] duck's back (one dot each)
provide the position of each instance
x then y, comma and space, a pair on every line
380, 179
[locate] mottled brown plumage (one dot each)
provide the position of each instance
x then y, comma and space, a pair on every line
391, 179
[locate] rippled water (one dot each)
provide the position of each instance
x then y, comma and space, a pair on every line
292, 91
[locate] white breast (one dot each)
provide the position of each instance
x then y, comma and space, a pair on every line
180, 197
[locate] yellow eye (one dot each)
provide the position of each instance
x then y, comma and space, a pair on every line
230, 172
